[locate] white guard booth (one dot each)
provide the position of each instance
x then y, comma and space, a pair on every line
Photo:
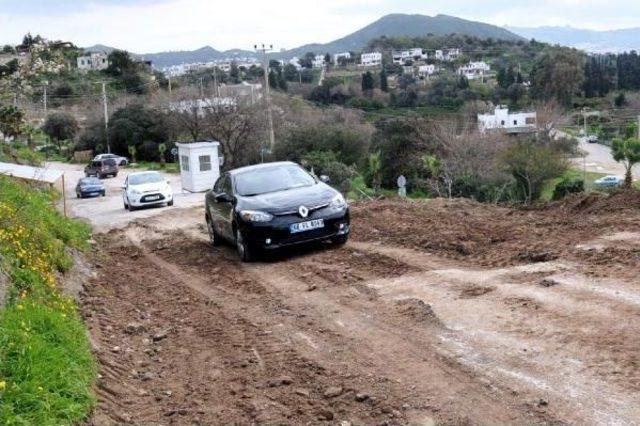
199, 165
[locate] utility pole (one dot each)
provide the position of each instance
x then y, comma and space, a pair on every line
201, 89
272, 138
584, 121
44, 98
216, 89
169, 86
639, 127
106, 114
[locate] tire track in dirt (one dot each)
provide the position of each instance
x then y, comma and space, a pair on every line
518, 331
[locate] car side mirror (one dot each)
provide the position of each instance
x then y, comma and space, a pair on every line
325, 179
223, 197
123, 186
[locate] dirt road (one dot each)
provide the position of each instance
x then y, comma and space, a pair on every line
436, 313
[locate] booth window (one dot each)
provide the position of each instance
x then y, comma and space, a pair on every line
205, 163
184, 163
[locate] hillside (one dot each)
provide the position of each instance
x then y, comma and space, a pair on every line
589, 40
394, 25
397, 25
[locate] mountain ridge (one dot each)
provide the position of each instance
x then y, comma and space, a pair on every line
392, 25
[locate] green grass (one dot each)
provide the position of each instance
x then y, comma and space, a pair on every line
589, 178
46, 365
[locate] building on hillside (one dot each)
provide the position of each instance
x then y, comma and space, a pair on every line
448, 55
372, 59
426, 71
318, 61
344, 55
401, 57
511, 122
201, 106
246, 91
295, 61
474, 70
95, 61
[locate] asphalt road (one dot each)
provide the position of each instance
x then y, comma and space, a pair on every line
599, 160
107, 213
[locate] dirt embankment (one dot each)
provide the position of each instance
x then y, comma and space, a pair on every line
446, 312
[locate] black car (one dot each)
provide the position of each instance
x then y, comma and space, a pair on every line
90, 187
274, 205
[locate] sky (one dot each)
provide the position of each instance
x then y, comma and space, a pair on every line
147, 26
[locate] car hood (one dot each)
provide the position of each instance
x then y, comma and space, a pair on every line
291, 199
150, 187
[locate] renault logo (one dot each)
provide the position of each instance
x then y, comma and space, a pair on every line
304, 212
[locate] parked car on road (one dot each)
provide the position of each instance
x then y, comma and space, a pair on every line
146, 189
102, 168
122, 161
608, 182
274, 205
592, 138
90, 187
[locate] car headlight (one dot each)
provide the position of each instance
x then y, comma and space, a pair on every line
338, 202
255, 216
135, 192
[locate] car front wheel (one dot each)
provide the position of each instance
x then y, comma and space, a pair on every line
214, 238
244, 250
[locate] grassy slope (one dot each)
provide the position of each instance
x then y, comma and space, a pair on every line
46, 366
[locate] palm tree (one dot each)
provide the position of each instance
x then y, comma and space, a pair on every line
375, 168
627, 151
132, 151
162, 148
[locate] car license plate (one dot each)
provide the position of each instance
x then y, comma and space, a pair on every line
94, 193
306, 226
153, 198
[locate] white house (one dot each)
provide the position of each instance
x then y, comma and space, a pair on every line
400, 57
338, 56
95, 61
474, 70
427, 70
372, 59
512, 122
318, 61
295, 61
449, 55
417, 53
199, 165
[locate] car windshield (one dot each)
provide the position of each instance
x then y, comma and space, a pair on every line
145, 178
272, 179
90, 181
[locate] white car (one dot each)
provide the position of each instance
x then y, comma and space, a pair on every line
122, 161
146, 189
609, 182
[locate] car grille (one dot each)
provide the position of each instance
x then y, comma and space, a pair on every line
295, 211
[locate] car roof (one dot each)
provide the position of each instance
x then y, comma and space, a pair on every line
261, 166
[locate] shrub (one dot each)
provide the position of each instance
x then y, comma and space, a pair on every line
567, 186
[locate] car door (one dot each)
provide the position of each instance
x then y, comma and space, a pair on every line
125, 188
221, 206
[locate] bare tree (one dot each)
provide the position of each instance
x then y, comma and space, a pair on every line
240, 131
